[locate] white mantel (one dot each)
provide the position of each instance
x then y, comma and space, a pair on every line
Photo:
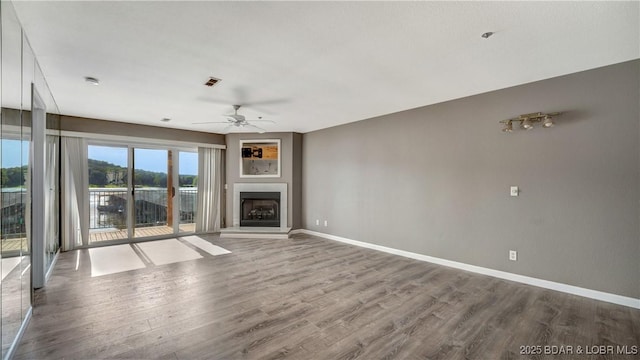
266, 187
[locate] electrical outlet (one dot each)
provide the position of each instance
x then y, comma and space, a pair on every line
513, 255
326, 223
514, 191
318, 222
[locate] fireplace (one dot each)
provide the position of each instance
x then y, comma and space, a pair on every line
260, 208
278, 188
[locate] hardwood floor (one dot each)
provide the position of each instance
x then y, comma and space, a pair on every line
309, 298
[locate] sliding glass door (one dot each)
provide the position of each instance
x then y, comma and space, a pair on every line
138, 192
188, 190
153, 192
108, 193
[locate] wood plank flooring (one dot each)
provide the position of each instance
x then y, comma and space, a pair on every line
309, 298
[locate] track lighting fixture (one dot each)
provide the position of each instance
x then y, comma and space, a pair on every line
527, 121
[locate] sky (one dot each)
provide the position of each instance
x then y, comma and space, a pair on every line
145, 159
11, 153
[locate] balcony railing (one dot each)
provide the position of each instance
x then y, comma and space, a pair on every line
13, 214
107, 209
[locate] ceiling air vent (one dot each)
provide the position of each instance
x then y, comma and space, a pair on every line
212, 81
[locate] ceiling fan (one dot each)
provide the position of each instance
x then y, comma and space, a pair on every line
239, 121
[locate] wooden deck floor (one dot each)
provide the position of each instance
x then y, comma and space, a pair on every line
309, 298
15, 244
107, 235
115, 234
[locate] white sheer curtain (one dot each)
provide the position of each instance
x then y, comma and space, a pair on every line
75, 193
209, 189
50, 198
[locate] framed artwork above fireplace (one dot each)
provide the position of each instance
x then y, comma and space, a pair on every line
260, 158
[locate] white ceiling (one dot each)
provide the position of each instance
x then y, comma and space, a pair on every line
309, 65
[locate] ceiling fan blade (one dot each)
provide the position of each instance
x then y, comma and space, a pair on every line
269, 102
260, 120
213, 101
260, 130
212, 122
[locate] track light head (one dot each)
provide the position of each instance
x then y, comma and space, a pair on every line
548, 121
508, 127
526, 124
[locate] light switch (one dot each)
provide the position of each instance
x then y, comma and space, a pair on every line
514, 191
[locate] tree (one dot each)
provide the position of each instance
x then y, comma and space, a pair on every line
159, 180
97, 177
13, 177
5, 178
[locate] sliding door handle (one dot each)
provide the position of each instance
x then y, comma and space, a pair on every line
173, 191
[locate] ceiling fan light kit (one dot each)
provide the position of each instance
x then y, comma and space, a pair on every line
527, 121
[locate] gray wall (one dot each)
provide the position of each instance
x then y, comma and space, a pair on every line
71, 123
435, 181
13, 117
291, 143
297, 181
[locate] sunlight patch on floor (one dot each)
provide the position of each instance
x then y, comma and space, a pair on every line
8, 264
204, 245
113, 259
119, 258
167, 251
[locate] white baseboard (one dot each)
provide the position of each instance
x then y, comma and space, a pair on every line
569, 289
53, 265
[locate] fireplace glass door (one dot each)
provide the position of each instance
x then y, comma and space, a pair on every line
260, 209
